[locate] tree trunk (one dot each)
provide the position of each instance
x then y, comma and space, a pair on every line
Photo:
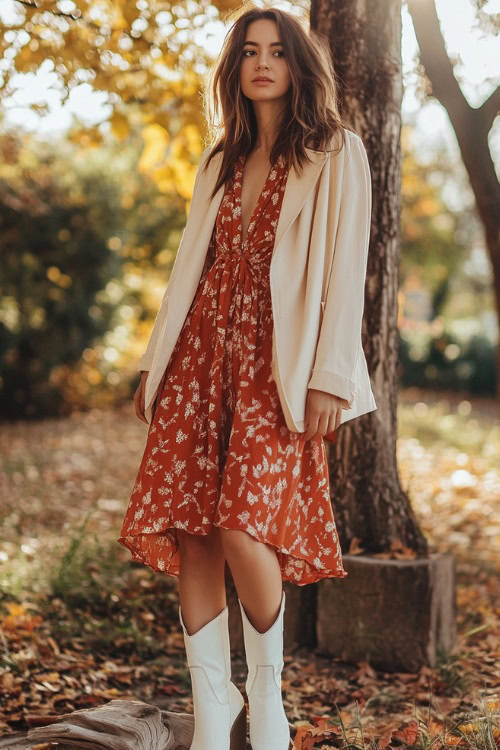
471, 127
369, 502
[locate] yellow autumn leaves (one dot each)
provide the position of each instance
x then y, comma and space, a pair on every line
171, 161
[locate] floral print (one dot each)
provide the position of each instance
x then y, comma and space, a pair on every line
218, 449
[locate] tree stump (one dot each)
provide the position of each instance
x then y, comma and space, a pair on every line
396, 614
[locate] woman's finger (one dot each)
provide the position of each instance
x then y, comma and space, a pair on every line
338, 416
331, 424
323, 423
312, 427
139, 402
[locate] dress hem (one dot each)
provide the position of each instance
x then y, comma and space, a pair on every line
138, 556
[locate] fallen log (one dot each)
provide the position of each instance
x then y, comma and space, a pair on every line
117, 725
15, 741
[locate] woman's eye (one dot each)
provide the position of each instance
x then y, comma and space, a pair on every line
278, 52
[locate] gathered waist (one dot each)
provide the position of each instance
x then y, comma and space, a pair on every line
236, 256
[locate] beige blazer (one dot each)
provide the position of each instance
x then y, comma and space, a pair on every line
317, 280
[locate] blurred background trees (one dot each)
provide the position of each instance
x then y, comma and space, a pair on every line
86, 244
91, 215
446, 307
472, 125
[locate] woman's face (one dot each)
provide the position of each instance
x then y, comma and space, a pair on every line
262, 55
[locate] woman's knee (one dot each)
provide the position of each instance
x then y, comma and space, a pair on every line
237, 541
197, 545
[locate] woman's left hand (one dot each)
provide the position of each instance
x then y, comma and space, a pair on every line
323, 411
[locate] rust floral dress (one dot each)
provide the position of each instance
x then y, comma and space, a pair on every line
218, 449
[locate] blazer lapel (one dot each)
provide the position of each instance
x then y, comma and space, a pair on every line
200, 224
297, 189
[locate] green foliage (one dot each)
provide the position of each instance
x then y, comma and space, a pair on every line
442, 360
77, 228
54, 261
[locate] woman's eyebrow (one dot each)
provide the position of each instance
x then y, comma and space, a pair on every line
273, 44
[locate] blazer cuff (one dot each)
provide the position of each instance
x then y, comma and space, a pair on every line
337, 385
145, 362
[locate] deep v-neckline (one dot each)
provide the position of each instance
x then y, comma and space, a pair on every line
252, 215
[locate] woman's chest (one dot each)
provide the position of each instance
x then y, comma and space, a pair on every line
253, 178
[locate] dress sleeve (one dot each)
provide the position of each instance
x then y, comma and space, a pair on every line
339, 338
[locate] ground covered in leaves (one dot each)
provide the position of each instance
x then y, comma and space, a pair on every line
81, 625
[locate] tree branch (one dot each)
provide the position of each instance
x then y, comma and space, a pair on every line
434, 57
490, 109
439, 70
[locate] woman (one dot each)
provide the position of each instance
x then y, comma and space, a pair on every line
255, 357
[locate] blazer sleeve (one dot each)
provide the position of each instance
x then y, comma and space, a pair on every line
146, 360
339, 340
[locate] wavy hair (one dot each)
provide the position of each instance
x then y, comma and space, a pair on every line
311, 113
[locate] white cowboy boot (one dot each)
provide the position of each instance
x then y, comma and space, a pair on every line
220, 721
269, 729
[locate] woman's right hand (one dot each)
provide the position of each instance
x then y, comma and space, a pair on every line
139, 397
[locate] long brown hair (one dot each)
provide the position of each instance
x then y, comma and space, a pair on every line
311, 114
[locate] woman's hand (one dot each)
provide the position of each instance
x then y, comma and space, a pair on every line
139, 397
323, 411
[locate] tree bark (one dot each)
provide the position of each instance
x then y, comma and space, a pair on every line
471, 128
369, 502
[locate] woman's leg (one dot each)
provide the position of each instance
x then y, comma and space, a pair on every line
202, 591
219, 707
256, 574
